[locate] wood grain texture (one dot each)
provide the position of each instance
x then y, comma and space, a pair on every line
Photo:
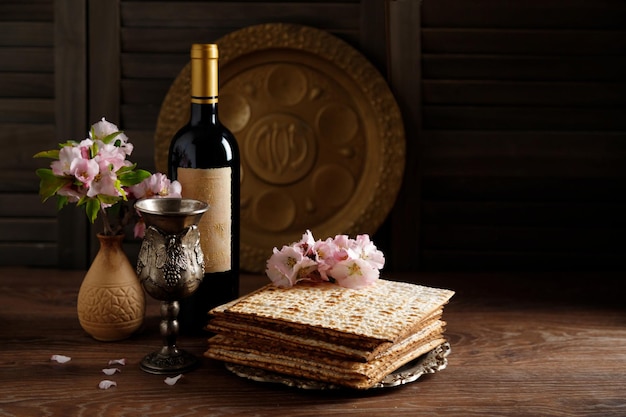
522, 344
584, 14
522, 107
71, 111
508, 106
28, 229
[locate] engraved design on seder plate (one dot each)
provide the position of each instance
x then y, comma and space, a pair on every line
287, 187
320, 135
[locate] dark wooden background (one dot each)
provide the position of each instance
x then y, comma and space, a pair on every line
514, 112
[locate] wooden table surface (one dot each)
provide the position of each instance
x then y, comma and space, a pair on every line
522, 345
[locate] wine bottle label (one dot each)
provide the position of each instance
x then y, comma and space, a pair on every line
212, 186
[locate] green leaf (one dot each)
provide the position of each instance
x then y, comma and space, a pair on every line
118, 186
109, 138
113, 212
62, 201
133, 177
53, 154
124, 169
93, 149
83, 200
50, 183
108, 199
92, 209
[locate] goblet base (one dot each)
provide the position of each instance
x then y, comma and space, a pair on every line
177, 362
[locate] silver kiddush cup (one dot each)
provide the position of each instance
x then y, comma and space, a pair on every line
170, 266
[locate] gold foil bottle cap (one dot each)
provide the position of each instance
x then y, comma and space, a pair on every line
204, 73
204, 51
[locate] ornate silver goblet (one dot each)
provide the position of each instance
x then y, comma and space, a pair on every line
170, 266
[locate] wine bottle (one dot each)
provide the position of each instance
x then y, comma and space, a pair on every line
204, 158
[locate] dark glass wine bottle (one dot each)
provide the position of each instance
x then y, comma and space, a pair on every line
204, 158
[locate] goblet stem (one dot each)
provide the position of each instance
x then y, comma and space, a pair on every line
169, 359
169, 326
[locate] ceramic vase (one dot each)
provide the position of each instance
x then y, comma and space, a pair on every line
111, 302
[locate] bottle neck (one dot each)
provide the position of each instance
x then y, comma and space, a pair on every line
204, 84
205, 113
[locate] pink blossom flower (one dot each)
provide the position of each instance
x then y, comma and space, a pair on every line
105, 183
288, 266
104, 128
140, 228
342, 242
307, 243
327, 254
67, 155
156, 185
351, 263
368, 251
354, 273
111, 156
85, 170
85, 148
73, 194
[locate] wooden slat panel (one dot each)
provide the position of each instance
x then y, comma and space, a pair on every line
144, 91
143, 153
139, 116
524, 93
524, 67
526, 167
465, 188
104, 55
373, 14
33, 10
404, 75
588, 14
508, 238
155, 65
15, 229
524, 147
19, 180
71, 106
469, 144
27, 59
25, 205
172, 40
32, 254
522, 261
22, 132
523, 118
26, 110
232, 15
524, 213
32, 138
27, 85
169, 40
524, 42
26, 34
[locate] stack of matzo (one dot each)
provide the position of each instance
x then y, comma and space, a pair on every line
328, 333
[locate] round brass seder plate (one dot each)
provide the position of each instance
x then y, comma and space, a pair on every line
320, 134
434, 361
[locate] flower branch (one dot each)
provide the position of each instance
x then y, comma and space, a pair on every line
96, 174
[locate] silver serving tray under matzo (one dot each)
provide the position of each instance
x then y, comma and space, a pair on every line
429, 363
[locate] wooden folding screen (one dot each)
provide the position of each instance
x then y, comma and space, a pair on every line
514, 113
28, 229
521, 144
